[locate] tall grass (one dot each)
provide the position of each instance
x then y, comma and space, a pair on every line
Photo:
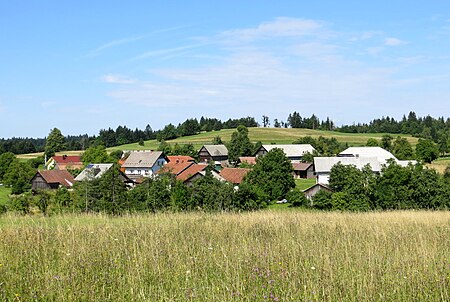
261, 256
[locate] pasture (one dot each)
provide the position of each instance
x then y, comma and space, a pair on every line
266, 136
288, 255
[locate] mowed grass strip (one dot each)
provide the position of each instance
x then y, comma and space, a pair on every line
260, 256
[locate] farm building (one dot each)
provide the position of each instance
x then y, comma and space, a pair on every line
303, 170
196, 171
51, 179
95, 171
213, 153
248, 160
144, 163
234, 175
293, 152
64, 162
313, 190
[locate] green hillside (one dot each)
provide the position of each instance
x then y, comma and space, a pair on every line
266, 136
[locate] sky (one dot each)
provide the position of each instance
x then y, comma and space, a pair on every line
82, 66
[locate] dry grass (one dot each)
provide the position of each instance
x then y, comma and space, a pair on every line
262, 256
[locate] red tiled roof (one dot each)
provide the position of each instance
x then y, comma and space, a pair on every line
58, 176
68, 159
191, 171
251, 160
180, 158
234, 175
301, 166
175, 168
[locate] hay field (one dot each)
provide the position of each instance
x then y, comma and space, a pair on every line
261, 256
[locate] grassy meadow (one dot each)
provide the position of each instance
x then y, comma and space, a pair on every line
4, 194
270, 255
266, 136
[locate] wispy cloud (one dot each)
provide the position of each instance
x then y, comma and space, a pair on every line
278, 66
116, 79
167, 51
393, 42
130, 39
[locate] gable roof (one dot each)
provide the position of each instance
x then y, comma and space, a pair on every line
234, 175
301, 166
93, 171
174, 167
250, 160
324, 164
214, 173
179, 158
325, 187
381, 154
292, 150
216, 150
67, 159
62, 177
190, 171
142, 159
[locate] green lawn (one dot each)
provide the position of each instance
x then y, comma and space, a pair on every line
303, 184
4, 193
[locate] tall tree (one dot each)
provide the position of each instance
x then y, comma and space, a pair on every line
55, 142
427, 150
240, 144
272, 174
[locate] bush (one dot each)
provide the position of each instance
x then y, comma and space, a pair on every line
297, 198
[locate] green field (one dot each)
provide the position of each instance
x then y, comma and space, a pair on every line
440, 164
4, 194
260, 256
266, 136
303, 184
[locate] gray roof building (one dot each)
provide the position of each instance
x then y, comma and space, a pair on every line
93, 171
142, 159
293, 151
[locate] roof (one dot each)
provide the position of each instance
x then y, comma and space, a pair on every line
381, 154
301, 166
203, 173
292, 150
142, 159
67, 159
318, 185
175, 167
62, 177
216, 150
180, 158
324, 164
234, 175
251, 160
190, 171
93, 171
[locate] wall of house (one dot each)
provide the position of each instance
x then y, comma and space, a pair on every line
323, 178
38, 183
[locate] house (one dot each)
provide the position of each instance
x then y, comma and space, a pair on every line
379, 153
144, 163
313, 190
303, 170
51, 179
95, 171
175, 167
293, 152
64, 162
180, 158
323, 165
248, 160
214, 153
234, 175
196, 171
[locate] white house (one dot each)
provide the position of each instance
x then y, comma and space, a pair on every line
144, 163
359, 157
93, 171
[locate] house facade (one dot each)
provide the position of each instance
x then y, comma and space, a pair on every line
64, 162
144, 163
215, 153
303, 170
51, 180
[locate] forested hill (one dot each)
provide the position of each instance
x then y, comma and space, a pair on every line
436, 129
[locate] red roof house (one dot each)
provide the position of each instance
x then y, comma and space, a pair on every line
234, 175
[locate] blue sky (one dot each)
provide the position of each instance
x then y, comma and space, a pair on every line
86, 65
